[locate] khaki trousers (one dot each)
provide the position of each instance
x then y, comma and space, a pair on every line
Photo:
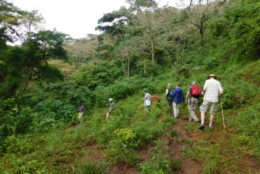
176, 109
192, 106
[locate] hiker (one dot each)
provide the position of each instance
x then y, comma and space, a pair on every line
168, 92
177, 98
192, 99
213, 90
147, 100
111, 105
81, 111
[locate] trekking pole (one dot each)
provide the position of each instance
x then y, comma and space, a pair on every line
223, 117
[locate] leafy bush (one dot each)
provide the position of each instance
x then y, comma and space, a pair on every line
120, 148
146, 131
14, 120
248, 122
91, 168
50, 111
211, 168
161, 162
211, 63
237, 94
121, 89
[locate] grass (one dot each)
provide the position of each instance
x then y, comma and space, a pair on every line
132, 128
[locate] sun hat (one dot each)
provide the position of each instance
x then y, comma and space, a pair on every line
212, 75
110, 99
169, 84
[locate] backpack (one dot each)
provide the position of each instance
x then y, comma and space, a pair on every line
195, 91
168, 96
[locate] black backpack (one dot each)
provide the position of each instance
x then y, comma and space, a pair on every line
168, 96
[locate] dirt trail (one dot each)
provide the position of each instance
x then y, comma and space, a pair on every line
122, 168
188, 166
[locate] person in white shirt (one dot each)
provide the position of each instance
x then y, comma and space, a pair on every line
147, 100
213, 90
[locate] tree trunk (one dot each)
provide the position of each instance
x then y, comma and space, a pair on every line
202, 21
128, 65
152, 50
145, 71
123, 66
26, 84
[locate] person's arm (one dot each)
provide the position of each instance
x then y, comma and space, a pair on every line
220, 89
173, 93
166, 92
187, 97
145, 96
188, 93
205, 88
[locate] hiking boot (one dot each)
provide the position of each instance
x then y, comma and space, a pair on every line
210, 127
202, 126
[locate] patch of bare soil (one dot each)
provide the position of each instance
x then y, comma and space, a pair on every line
95, 153
144, 153
155, 98
122, 168
250, 165
72, 127
188, 166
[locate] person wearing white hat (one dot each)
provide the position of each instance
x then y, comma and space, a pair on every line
81, 111
111, 105
147, 100
213, 90
168, 92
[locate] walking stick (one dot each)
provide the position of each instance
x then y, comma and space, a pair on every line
223, 117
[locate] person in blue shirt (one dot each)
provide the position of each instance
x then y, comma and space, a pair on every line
177, 98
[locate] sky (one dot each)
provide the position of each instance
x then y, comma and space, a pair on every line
75, 17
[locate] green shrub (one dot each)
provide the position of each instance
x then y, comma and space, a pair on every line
105, 132
169, 122
211, 63
18, 145
129, 110
150, 168
120, 148
91, 168
146, 131
161, 161
174, 133
248, 122
211, 168
175, 164
121, 89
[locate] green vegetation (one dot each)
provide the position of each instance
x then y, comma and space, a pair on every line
144, 47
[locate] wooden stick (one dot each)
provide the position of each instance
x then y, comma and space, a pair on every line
223, 117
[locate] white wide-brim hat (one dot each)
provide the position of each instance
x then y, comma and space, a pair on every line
212, 75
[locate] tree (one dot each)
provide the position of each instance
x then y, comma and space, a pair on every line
11, 18
145, 9
198, 17
26, 62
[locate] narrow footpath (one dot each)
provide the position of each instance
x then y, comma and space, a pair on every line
189, 166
